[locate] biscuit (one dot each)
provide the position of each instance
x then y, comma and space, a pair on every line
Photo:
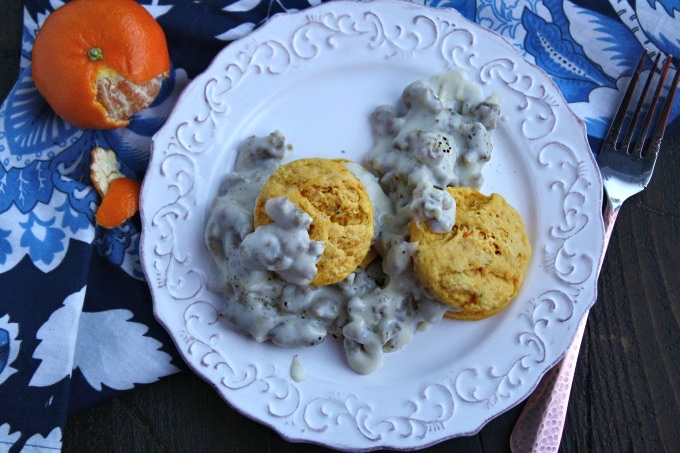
478, 266
341, 211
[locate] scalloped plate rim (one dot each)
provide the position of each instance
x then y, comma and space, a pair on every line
145, 245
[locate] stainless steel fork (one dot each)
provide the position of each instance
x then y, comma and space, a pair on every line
626, 170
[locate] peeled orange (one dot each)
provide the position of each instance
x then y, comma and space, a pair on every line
98, 62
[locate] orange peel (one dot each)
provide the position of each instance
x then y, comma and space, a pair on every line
120, 194
104, 168
120, 203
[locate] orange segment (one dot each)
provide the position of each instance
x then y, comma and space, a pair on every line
121, 98
120, 203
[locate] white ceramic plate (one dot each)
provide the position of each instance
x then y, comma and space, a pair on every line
316, 75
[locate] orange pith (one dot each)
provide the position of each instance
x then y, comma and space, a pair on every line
122, 98
97, 62
120, 203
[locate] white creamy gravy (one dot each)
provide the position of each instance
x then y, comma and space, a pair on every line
284, 246
297, 372
438, 137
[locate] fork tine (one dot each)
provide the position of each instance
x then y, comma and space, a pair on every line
657, 136
631, 127
617, 122
640, 143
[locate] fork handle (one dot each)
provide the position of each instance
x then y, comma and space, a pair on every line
611, 211
541, 423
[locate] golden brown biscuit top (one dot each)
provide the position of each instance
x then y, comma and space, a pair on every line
479, 265
339, 205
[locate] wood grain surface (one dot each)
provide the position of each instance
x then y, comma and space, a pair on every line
626, 391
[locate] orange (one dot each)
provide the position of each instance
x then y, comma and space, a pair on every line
120, 202
98, 62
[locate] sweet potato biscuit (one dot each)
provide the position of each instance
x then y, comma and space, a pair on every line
339, 205
478, 266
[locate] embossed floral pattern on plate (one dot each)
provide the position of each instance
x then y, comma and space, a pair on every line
316, 75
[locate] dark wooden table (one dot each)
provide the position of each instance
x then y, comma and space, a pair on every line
626, 391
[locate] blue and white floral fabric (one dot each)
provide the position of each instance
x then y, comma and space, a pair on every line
76, 323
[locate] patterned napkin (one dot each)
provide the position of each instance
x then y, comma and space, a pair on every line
76, 321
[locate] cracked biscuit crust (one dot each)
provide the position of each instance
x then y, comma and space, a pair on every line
478, 266
339, 205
